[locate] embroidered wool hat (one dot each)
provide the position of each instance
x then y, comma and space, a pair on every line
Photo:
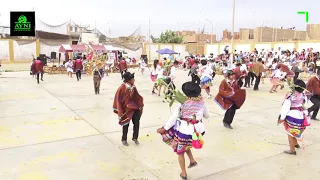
191, 89
127, 76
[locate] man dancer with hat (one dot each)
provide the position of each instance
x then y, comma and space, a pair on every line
230, 98
128, 105
313, 86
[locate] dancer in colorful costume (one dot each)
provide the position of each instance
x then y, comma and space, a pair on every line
230, 98
294, 116
276, 79
154, 73
128, 105
205, 74
185, 129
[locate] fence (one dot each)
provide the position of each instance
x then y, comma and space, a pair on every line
21, 51
15, 51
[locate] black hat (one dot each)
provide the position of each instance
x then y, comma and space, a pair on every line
300, 86
127, 76
230, 72
191, 89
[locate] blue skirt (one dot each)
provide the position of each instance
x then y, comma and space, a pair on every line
206, 82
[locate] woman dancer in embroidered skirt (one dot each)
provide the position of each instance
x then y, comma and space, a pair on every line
294, 116
185, 125
205, 73
154, 73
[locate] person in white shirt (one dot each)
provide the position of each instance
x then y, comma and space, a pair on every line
276, 79
205, 73
154, 73
69, 66
143, 66
185, 127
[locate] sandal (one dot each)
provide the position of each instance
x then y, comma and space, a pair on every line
183, 177
194, 164
297, 146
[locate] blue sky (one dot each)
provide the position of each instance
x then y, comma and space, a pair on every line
124, 16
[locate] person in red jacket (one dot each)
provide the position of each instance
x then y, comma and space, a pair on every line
313, 86
78, 67
123, 67
37, 69
230, 98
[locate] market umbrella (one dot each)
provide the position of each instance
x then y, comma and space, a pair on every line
166, 51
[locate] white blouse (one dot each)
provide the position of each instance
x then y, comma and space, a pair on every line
182, 126
285, 110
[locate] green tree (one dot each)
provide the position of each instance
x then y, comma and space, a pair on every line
168, 37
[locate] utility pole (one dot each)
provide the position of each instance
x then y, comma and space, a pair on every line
211, 29
231, 49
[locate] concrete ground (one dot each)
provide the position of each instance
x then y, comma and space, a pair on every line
61, 130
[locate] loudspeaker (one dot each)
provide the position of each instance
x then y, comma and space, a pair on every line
43, 58
144, 56
53, 55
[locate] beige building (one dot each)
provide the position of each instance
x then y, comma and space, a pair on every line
269, 34
313, 31
193, 37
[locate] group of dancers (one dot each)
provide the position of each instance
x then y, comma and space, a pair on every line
185, 129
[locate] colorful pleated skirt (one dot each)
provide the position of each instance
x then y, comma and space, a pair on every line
276, 81
178, 141
153, 77
205, 82
294, 126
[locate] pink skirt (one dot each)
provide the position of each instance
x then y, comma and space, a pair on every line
275, 81
153, 77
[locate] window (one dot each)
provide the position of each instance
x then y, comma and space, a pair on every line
71, 28
75, 29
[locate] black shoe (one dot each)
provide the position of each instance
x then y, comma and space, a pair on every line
290, 152
297, 146
41, 79
230, 127
191, 165
183, 177
136, 141
125, 143
226, 125
315, 119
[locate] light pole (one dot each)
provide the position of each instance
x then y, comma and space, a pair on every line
211, 28
233, 14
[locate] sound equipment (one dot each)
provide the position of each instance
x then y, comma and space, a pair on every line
144, 56
53, 55
43, 58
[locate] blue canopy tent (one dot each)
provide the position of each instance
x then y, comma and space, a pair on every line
166, 51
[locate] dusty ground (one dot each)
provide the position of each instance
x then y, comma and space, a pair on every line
60, 129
